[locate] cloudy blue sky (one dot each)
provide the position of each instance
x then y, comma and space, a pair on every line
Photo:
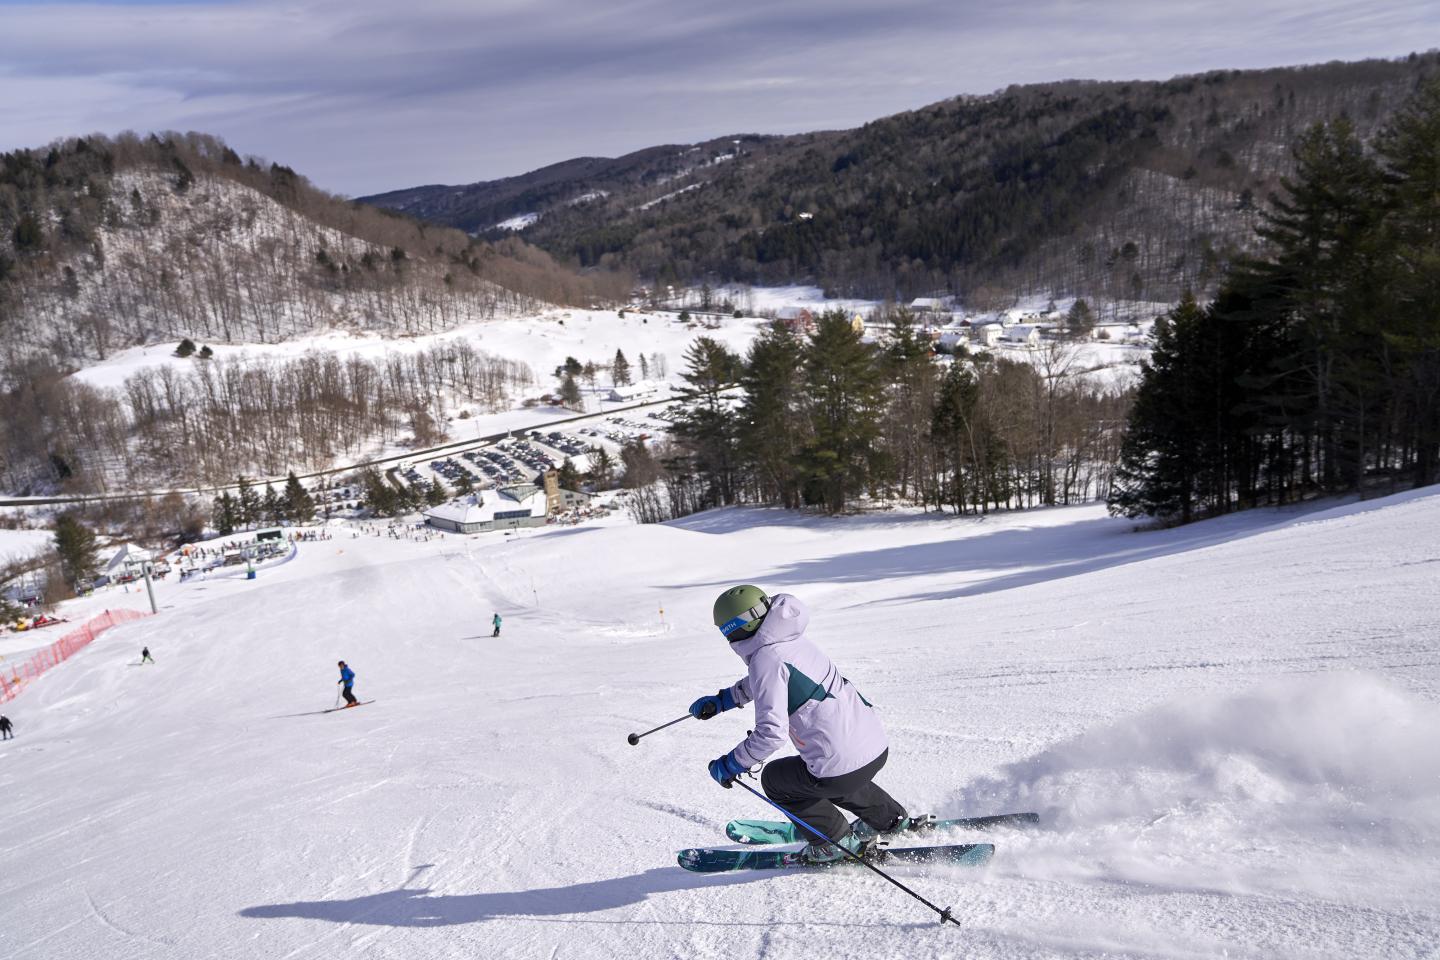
366, 95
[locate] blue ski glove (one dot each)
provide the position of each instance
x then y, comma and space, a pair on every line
724, 769
707, 707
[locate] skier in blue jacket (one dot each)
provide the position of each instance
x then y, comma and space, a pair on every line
800, 696
347, 677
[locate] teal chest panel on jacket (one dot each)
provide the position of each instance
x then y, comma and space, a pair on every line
803, 689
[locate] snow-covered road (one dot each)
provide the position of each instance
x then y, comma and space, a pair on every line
1229, 729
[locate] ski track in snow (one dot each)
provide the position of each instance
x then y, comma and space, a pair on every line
1228, 729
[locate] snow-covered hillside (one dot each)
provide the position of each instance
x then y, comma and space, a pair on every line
223, 262
1229, 730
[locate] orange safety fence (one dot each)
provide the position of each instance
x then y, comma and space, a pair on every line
14, 679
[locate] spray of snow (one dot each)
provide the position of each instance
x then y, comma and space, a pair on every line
1340, 768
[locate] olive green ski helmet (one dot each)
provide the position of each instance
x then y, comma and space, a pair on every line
739, 610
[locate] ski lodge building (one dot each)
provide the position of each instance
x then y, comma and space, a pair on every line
484, 510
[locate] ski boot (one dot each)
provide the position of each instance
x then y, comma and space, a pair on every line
869, 834
818, 852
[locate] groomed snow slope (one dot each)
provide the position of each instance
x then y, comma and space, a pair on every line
1230, 730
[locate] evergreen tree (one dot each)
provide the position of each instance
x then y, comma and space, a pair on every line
379, 495
249, 510
299, 506
620, 369
911, 402
771, 421
435, 493
602, 469
1410, 244
567, 476
1079, 320
845, 387
75, 547
1318, 288
186, 348
223, 514
28, 235
1175, 461
570, 393
957, 433
272, 508
706, 426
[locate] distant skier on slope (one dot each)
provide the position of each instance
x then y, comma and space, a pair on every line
145, 655
795, 686
495, 622
347, 677
5, 729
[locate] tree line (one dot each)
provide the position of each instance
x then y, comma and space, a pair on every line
1316, 369
212, 420
822, 420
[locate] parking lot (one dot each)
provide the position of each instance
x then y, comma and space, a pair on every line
524, 458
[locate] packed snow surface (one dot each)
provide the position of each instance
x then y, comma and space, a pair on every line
1229, 730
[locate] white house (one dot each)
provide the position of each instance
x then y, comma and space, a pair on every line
502, 509
988, 334
929, 305
633, 391
1025, 333
954, 340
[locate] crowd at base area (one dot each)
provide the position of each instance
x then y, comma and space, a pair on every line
398, 530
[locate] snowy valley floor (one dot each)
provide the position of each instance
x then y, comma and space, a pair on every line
1230, 730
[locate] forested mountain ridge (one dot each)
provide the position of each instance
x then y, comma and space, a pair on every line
106, 243
479, 208
1122, 190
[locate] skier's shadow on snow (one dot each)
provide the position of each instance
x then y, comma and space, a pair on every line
415, 907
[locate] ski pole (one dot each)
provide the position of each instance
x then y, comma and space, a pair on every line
944, 914
634, 738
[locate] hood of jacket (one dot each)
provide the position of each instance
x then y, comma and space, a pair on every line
787, 619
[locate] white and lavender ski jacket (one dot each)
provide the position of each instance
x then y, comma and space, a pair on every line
797, 690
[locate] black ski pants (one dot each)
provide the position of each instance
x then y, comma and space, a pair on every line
813, 799
349, 696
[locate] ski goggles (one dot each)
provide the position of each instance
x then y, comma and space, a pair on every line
743, 620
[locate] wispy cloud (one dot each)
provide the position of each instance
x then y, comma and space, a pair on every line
365, 95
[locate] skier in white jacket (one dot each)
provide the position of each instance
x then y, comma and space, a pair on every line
800, 695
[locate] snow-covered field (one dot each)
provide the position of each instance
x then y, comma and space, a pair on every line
542, 340
21, 544
1229, 729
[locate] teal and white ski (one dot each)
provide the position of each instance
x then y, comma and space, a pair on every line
783, 831
708, 860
